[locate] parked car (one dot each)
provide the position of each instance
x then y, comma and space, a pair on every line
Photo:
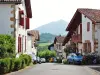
38, 60
33, 56
75, 58
43, 60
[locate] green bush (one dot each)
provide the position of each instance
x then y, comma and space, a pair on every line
12, 64
64, 61
4, 65
18, 64
7, 46
59, 60
26, 58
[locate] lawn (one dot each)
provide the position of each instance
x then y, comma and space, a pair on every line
44, 44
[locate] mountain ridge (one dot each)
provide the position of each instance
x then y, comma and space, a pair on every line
55, 28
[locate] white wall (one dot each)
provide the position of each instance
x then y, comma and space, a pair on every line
19, 29
29, 45
5, 15
97, 36
87, 35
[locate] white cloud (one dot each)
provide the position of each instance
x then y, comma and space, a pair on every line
45, 11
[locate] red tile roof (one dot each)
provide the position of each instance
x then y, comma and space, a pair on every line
93, 14
59, 39
10, 1
34, 33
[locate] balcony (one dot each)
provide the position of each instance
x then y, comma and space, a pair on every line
10, 1
77, 38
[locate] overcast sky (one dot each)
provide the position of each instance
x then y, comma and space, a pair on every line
45, 11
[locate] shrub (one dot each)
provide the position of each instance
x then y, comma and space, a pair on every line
12, 64
23, 63
64, 61
7, 46
4, 65
90, 59
59, 60
26, 58
18, 64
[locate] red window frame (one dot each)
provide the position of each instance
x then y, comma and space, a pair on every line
88, 26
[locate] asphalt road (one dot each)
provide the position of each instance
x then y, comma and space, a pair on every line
55, 69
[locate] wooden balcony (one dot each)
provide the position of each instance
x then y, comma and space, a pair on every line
77, 38
10, 1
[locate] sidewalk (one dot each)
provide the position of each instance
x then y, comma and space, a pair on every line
94, 69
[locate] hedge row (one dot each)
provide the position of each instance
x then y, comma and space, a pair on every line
14, 64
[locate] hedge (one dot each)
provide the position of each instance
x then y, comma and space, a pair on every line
14, 64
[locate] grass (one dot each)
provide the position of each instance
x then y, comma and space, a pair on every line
44, 44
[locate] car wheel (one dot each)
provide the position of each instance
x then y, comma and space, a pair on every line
68, 61
73, 62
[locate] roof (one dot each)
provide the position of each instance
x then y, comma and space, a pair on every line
67, 38
59, 39
10, 1
34, 33
92, 14
28, 8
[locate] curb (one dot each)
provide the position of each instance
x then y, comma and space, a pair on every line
13, 73
92, 71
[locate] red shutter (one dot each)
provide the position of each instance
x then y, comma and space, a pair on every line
19, 44
21, 18
88, 26
25, 43
27, 23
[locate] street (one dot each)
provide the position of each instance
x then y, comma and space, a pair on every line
55, 69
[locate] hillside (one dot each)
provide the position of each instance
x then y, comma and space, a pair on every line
46, 37
56, 28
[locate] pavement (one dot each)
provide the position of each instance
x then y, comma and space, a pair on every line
57, 69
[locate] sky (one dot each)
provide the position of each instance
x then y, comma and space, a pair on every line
45, 11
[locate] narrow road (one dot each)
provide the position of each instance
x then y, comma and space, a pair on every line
55, 69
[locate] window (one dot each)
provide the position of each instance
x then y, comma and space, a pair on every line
88, 26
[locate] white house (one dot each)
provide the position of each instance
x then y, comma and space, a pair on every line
32, 38
14, 20
58, 41
85, 30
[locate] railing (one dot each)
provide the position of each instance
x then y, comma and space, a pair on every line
77, 38
10, 1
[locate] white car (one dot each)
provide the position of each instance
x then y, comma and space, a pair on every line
33, 58
43, 60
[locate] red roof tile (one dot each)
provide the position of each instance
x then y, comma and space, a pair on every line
93, 14
59, 39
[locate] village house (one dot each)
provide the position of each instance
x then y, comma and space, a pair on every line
58, 41
84, 29
32, 38
15, 20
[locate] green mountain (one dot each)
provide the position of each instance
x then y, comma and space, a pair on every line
46, 37
55, 28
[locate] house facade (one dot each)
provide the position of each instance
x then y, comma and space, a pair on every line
32, 38
84, 29
58, 41
15, 16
